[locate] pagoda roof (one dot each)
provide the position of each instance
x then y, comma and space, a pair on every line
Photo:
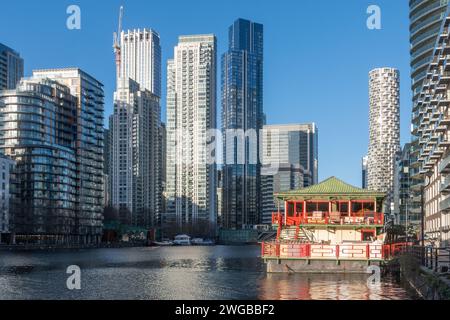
331, 188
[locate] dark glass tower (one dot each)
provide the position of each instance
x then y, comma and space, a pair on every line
242, 119
11, 68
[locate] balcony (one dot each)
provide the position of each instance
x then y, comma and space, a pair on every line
320, 218
445, 102
445, 119
444, 166
445, 78
444, 205
445, 186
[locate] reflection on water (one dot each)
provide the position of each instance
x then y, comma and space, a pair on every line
193, 273
328, 287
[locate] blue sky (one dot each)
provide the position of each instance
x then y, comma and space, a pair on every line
317, 55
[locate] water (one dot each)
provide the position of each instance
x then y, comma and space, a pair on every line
168, 273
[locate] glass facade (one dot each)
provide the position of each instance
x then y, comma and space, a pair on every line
52, 126
290, 161
37, 131
425, 22
426, 17
242, 109
11, 68
89, 147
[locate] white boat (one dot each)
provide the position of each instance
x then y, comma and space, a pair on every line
202, 242
182, 240
163, 243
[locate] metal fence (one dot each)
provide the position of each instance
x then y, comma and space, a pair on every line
435, 259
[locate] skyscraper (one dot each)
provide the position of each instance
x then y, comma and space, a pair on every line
135, 129
364, 172
141, 59
89, 141
426, 17
402, 187
7, 179
11, 68
290, 159
425, 23
384, 122
54, 133
191, 113
242, 119
135, 155
107, 167
163, 161
431, 161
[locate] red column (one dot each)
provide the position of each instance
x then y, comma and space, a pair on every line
350, 210
304, 211
286, 207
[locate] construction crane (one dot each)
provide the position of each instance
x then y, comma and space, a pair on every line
116, 45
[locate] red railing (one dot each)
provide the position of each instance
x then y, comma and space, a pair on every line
345, 251
333, 218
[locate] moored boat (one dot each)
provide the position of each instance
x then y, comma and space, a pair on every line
182, 240
202, 242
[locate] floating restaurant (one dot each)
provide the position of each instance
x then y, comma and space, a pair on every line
328, 227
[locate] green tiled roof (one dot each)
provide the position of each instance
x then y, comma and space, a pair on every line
332, 187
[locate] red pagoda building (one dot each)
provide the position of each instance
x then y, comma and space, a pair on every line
328, 227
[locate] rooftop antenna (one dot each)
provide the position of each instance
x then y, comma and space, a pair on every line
116, 45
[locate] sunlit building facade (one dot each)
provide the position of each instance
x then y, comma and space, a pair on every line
191, 186
141, 59
384, 123
289, 160
89, 147
135, 170
426, 18
37, 132
431, 127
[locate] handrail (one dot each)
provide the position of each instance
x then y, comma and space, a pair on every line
301, 250
330, 218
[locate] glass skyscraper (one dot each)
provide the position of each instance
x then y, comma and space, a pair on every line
45, 127
242, 112
52, 126
11, 68
89, 147
290, 162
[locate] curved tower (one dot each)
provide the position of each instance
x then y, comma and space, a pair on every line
425, 22
384, 130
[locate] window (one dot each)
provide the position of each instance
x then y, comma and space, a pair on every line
357, 207
299, 208
343, 207
316, 206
